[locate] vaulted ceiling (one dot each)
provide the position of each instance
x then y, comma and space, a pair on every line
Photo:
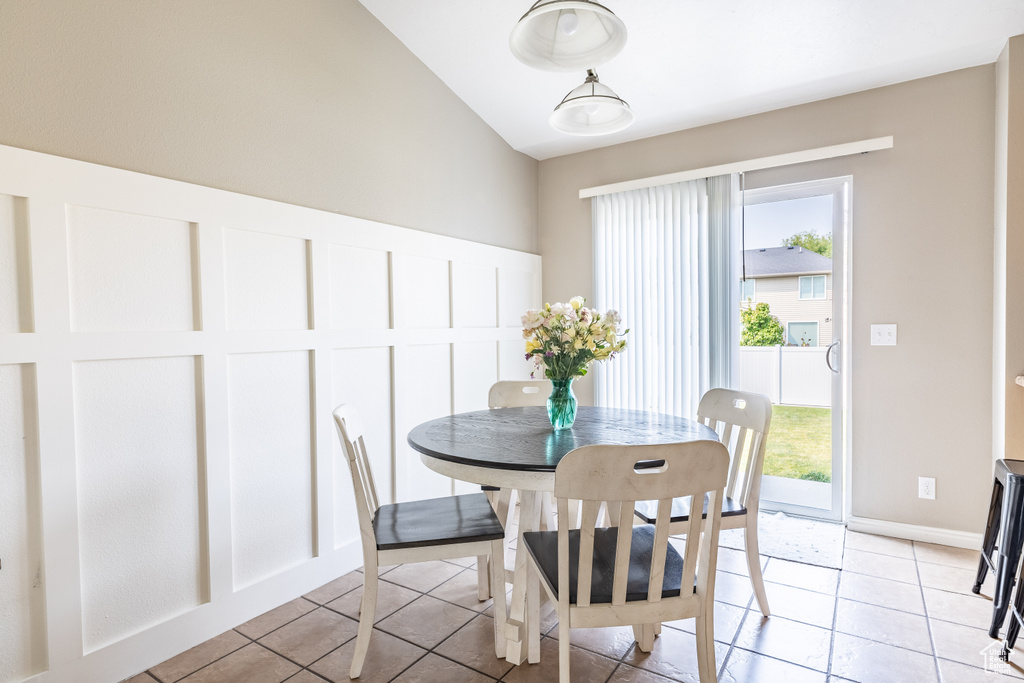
692, 62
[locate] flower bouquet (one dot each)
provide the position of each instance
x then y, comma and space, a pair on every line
563, 340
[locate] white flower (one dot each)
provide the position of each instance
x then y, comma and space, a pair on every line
577, 302
564, 310
533, 319
612, 318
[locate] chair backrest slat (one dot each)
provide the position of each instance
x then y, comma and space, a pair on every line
519, 394
708, 545
727, 434
350, 431
621, 475
584, 578
623, 546
693, 527
746, 417
656, 580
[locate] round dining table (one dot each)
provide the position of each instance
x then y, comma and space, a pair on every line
517, 449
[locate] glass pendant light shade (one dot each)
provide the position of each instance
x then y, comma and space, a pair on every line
567, 35
591, 109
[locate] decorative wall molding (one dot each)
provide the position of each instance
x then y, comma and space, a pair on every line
145, 322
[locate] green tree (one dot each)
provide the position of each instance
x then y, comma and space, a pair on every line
811, 241
760, 327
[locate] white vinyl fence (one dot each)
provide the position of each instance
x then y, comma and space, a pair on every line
788, 375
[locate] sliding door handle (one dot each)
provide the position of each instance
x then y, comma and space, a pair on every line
828, 353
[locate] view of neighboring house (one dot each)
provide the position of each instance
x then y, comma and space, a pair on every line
796, 283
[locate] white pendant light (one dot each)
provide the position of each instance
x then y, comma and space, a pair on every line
591, 109
567, 35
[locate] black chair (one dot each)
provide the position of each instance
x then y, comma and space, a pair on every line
1005, 520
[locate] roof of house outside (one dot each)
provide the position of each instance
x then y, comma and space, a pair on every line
784, 261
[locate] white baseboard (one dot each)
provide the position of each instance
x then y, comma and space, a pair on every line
913, 532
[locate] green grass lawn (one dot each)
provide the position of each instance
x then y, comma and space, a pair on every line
800, 443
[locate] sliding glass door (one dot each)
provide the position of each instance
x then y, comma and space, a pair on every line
793, 307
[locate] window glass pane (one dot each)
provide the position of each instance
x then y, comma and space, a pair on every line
746, 290
805, 288
819, 287
803, 334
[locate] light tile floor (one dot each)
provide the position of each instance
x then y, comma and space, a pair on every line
897, 612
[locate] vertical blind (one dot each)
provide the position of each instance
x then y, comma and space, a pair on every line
667, 264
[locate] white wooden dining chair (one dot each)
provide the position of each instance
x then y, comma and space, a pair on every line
512, 394
742, 421
417, 531
625, 574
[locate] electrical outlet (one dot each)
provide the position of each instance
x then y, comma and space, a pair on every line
926, 488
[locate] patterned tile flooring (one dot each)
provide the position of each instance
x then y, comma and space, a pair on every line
897, 612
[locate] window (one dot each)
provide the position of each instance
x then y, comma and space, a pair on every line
802, 334
746, 290
812, 287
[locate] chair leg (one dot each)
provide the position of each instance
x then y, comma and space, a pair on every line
988, 545
497, 564
563, 647
1011, 541
1013, 630
533, 616
707, 670
644, 636
754, 564
483, 584
367, 608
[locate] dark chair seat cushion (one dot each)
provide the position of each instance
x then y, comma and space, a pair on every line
647, 510
438, 521
543, 547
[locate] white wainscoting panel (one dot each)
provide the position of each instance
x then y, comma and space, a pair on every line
362, 377
129, 272
171, 355
424, 291
139, 494
22, 627
265, 281
474, 370
360, 288
269, 438
518, 291
474, 295
15, 298
428, 396
514, 365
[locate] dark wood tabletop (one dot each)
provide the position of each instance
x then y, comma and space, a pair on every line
522, 438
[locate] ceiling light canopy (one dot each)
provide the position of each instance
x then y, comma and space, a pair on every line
567, 35
591, 109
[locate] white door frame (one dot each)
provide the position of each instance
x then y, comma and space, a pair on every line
842, 223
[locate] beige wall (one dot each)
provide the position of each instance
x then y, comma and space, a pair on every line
1008, 354
311, 102
922, 241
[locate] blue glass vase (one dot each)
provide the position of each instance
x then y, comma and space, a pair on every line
562, 404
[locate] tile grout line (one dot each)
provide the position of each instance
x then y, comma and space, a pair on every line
743, 619
835, 611
835, 619
181, 678
927, 621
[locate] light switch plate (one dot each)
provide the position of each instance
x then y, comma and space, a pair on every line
883, 335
